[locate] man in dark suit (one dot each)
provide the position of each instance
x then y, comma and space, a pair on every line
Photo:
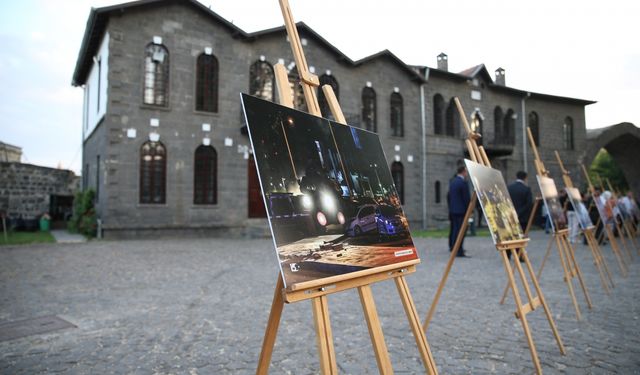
522, 199
459, 198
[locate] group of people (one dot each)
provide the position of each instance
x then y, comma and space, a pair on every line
458, 198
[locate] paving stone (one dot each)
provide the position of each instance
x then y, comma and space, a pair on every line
200, 307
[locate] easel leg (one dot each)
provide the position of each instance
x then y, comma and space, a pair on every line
414, 321
623, 240
324, 337
598, 261
543, 302
521, 314
574, 265
616, 251
567, 275
452, 258
604, 262
375, 331
272, 329
505, 293
546, 255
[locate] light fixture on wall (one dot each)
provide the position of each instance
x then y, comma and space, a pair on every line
206, 141
154, 137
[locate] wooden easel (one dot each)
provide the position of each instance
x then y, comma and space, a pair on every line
624, 225
570, 266
478, 155
317, 291
606, 228
589, 234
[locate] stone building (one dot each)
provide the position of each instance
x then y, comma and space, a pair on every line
166, 150
27, 191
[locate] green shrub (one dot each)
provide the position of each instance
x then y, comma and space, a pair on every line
84, 219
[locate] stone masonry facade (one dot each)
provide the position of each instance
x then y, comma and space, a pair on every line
111, 154
26, 190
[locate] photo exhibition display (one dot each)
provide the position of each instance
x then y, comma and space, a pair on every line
331, 202
552, 202
496, 203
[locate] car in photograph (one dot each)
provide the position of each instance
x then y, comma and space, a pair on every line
288, 216
325, 208
382, 219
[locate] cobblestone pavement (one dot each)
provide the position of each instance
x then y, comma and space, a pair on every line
200, 307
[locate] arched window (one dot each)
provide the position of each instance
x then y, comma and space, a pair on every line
205, 175
510, 127
438, 114
153, 173
438, 192
296, 90
534, 126
369, 109
262, 80
498, 134
207, 83
567, 133
397, 115
453, 119
397, 173
330, 80
476, 125
156, 75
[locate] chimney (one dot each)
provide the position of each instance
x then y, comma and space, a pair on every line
500, 77
443, 62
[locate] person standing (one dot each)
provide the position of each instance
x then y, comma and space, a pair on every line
458, 200
522, 199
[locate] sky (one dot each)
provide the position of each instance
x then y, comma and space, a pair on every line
582, 49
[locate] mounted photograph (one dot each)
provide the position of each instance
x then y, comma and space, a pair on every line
496, 203
551, 200
576, 202
330, 198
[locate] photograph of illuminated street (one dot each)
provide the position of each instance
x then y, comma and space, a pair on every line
552, 202
330, 198
496, 203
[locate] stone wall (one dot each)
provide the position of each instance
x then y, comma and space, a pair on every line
25, 189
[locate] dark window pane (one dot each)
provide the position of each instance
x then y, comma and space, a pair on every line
153, 170
207, 83
205, 176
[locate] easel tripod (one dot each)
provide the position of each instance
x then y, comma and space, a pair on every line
317, 291
570, 266
477, 154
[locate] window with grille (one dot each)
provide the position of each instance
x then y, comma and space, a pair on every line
438, 114
509, 127
369, 109
330, 80
207, 83
534, 126
262, 80
153, 173
397, 173
567, 133
498, 132
156, 75
297, 92
205, 175
453, 120
397, 115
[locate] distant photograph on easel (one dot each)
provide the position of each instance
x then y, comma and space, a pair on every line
579, 208
496, 203
552, 202
330, 197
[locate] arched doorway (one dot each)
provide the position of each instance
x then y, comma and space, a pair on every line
256, 203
